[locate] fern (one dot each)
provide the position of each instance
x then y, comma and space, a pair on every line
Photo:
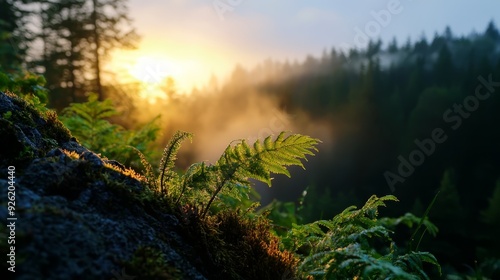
194, 174
168, 159
347, 246
28, 86
89, 123
344, 247
148, 173
242, 162
422, 221
166, 174
228, 178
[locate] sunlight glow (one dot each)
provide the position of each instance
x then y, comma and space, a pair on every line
152, 70
156, 60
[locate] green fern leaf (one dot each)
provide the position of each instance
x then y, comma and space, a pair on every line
169, 156
149, 173
242, 162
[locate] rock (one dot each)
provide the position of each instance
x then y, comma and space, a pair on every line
76, 217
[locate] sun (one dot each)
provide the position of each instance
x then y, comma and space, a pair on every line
152, 66
152, 70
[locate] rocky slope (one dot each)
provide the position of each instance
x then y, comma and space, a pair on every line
78, 216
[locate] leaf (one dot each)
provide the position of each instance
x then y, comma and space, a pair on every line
241, 162
149, 174
169, 156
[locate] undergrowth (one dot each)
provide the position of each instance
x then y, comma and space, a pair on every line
352, 245
88, 122
207, 185
217, 207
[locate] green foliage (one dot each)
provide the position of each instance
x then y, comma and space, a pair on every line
350, 246
89, 123
242, 162
167, 174
282, 214
234, 246
486, 270
150, 263
491, 215
28, 86
411, 221
228, 179
167, 177
231, 245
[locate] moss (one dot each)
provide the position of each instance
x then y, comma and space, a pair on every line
129, 172
54, 128
150, 263
232, 246
223, 246
51, 127
7, 115
26, 122
71, 154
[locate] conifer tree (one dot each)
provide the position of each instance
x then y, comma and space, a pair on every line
77, 36
111, 29
13, 36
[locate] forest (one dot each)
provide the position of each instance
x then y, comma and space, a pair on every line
410, 120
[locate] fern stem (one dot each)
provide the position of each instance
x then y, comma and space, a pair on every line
420, 239
184, 187
169, 155
219, 187
162, 173
426, 213
217, 190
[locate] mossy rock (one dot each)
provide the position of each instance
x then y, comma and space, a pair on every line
82, 216
26, 132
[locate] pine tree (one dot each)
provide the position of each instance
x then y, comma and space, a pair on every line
492, 31
491, 215
77, 36
13, 36
108, 17
65, 41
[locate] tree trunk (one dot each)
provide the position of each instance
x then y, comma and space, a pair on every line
96, 52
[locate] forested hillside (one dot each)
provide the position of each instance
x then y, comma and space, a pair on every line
415, 119
410, 119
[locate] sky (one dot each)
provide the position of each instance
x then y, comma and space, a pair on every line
193, 40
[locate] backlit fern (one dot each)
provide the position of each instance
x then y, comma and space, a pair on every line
167, 174
229, 177
350, 246
89, 123
242, 162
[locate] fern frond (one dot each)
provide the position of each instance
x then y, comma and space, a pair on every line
149, 173
87, 122
242, 162
169, 156
259, 161
341, 247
